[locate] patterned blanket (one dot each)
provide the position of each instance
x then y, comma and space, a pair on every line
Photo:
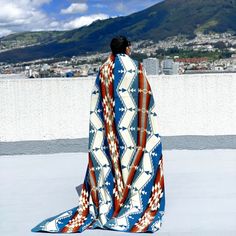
123, 188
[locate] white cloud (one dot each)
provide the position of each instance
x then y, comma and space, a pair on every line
54, 24
22, 15
4, 32
75, 8
39, 2
13, 15
26, 15
84, 20
10, 12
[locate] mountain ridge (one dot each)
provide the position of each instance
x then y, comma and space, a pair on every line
162, 20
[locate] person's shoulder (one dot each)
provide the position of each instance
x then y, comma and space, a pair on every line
124, 56
107, 62
135, 61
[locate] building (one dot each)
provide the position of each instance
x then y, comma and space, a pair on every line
151, 66
170, 67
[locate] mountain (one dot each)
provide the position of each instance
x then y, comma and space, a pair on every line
165, 19
33, 37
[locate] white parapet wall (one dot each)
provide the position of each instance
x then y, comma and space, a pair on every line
58, 108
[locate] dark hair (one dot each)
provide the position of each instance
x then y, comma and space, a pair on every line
119, 44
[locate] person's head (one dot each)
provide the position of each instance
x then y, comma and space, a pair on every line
120, 44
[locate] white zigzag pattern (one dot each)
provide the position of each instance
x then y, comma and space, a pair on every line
142, 180
52, 225
128, 116
152, 142
100, 156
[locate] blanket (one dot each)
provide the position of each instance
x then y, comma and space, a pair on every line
123, 188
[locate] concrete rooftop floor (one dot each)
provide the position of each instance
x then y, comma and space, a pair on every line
200, 192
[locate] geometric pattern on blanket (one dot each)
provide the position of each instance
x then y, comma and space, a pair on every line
123, 188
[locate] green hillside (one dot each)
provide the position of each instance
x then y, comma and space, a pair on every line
165, 19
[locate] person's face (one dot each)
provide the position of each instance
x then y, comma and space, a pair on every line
128, 50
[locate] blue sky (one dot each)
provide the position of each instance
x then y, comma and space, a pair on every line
34, 15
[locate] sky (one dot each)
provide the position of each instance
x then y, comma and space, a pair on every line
37, 15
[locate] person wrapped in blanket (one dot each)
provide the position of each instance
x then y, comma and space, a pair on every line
123, 188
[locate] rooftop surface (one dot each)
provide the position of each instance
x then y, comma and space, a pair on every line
200, 192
